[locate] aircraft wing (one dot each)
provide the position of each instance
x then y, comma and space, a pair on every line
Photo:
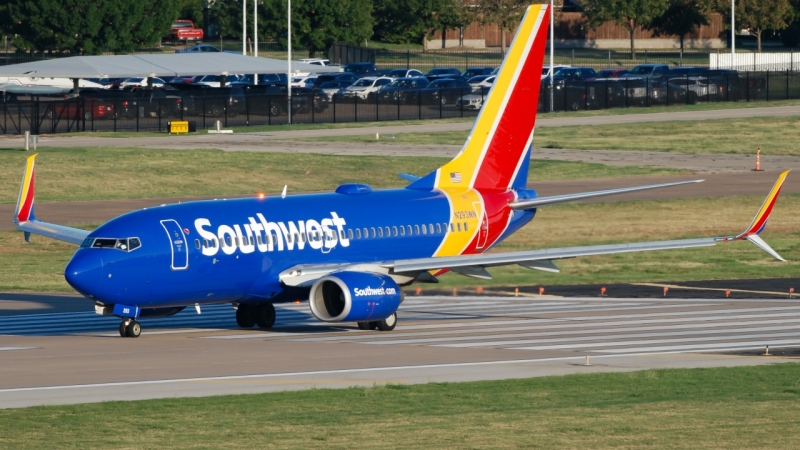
475, 265
552, 200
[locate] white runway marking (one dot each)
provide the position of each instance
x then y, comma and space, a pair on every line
5, 349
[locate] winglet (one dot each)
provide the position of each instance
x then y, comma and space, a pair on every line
24, 210
760, 220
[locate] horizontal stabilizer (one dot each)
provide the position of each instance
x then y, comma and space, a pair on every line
409, 177
554, 199
72, 235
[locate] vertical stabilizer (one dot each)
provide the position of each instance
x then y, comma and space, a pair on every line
492, 157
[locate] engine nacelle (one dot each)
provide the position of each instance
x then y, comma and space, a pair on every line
354, 297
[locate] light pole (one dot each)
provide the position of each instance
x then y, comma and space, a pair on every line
289, 62
255, 29
244, 27
733, 35
552, 40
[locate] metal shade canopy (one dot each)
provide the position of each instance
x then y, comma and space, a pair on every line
150, 65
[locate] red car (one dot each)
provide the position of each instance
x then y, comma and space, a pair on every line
88, 109
611, 73
184, 30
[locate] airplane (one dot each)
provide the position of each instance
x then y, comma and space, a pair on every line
350, 251
43, 85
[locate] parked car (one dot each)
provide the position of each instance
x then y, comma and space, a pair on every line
441, 73
475, 71
365, 88
735, 87
444, 92
76, 108
346, 77
316, 61
647, 71
404, 73
686, 71
199, 48
572, 74
545, 70
306, 81
568, 96
611, 73
304, 100
482, 81
402, 89
184, 30
473, 100
214, 80
331, 88
198, 99
263, 78
141, 82
361, 69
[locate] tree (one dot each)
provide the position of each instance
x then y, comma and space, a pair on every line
631, 14
406, 21
681, 17
760, 15
505, 13
85, 26
316, 24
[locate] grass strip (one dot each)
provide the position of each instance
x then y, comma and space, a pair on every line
774, 135
88, 173
39, 266
742, 407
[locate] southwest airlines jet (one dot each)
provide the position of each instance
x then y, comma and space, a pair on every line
348, 251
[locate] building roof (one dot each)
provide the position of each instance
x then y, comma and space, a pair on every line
156, 65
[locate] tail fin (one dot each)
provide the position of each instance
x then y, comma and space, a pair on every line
494, 154
760, 220
24, 210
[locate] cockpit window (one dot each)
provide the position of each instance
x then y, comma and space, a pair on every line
125, 245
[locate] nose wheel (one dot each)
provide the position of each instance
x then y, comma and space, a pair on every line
130, 328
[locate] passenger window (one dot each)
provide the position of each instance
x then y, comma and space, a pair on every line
402, 230
424, 229
373, 232
388, 232
303, 237
466, 228
438, 228
409, 230
133, 244
416, 230
430, 228
459, 226
380, 231
197, 244
341, 234
358, 233
350, 234
394, 231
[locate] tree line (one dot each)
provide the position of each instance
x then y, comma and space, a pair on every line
97, 26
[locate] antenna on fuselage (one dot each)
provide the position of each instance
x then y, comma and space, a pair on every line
283, 194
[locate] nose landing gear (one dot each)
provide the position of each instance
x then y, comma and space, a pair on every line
130, 328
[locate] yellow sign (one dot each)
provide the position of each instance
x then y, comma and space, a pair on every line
179, 127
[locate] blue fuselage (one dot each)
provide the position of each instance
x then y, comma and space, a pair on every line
234, 250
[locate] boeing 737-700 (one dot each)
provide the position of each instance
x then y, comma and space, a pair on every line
349, 251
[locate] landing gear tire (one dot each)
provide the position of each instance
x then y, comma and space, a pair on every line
131, 328
122, 332
366, 326
245, 317
265, 315
388, 323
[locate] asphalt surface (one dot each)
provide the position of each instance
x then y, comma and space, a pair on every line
76, 357
255, 141
716, 185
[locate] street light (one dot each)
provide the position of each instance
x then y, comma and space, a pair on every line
244, 27
289, 62
733, 35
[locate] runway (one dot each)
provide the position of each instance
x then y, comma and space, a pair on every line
68, 356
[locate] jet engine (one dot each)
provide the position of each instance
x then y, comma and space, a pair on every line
354, 297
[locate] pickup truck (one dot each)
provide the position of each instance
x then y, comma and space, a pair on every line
184, 30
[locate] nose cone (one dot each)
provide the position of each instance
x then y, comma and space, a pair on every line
84, 272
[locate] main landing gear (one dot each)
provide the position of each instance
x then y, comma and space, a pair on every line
130, 328
386, 324
261, 314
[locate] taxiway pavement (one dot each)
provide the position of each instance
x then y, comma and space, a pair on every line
76, 356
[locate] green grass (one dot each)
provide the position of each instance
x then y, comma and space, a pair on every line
742, 407
39, 266
774, 135
69, 174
